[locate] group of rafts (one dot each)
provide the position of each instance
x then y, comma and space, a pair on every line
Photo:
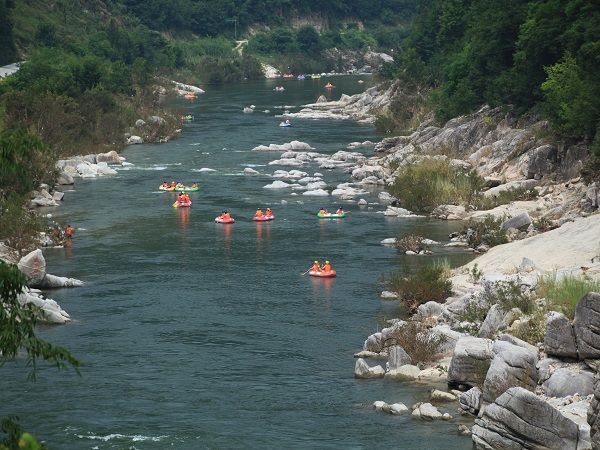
183, 201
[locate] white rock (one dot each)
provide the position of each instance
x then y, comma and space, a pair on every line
132, 140
316, 193
277, 184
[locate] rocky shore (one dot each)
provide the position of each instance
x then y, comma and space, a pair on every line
537, 394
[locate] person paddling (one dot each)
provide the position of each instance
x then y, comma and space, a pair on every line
340, 210
323, 211
315, 267
326, 267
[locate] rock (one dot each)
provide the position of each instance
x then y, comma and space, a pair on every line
43, 201
493, 321
248, 110
388, 295
450, 212
33, 266
51, 311
427, 411
398, 357
103, 169
592, 416
111, 157
519, 419
277, 184
512, 366
132, 140
519, 222
397, 212
385, 198
140, 123
87, 170
398, 409
463, 430
430, 308
471, 400
379, 405
592, 195
52, 281
587, 326
451, 337
527, 265
568, 381
388, 241
526, 184
65, 179
470, 361
404, 373
519, 343
250, 171
362, 202
539, 162
58, 196
322, 99
156, 120
374, 343
560, 337
441, 396
316, 193
362, 370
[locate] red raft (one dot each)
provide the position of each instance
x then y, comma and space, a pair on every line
263, 218
224, 221
332, 273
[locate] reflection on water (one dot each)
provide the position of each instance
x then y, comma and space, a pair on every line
321, 290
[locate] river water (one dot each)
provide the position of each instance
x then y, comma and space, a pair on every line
198, 335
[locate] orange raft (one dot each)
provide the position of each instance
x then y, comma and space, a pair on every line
263, 218
224, 221
330, 274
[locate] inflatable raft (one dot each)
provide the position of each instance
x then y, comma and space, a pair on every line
263, 218
187, 189
332, 273
331, 216
219, 220
168, 188
285, 125
182, 205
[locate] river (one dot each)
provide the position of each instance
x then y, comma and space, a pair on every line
195, 335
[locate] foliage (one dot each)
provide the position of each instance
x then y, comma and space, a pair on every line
20, 227
504, 197
420, 343
8, 51
533, 328
475, 273
427, 283
410, 242
16, 439
17, 326
487, 231
509, 295
564, 293
434, 182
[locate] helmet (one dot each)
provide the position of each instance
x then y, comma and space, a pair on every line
326, 262
316, 262
268, 209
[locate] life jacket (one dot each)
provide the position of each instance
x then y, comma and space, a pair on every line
322, 212
269, 213
327, 268
69, 231
316, 268
259, 213
226, 216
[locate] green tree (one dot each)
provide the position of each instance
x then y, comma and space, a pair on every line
309, 40
8, 51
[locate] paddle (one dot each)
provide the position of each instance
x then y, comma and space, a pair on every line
175, 205
302, 274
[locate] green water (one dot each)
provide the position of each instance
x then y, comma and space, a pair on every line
196, 335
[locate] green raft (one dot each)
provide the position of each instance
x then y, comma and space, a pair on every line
187, 189
331, 216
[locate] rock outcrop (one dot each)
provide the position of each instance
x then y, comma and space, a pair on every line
587, 326
470, 361
560, 337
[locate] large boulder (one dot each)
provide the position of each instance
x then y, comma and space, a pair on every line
111, 157
519, 221
65, 179
519, 419
593, 415
52, 281
362, 370
450, 212
471, 400
33, 266
587, 326
470, 362
560, 338
397, 357
493, 321
427, 411
374, 343
569, 381
512, 366
407, 372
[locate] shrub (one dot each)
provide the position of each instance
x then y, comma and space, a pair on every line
534, 329
563, 294
19, 227
475, 274
428, 283
410, 242
488, 231
421, 344
509, 295
433, 182
504, 197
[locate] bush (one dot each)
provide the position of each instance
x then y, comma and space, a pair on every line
488, 232
19, 227
563, 294
421, 344
428, 283
504, 197
509, 295
433, 182
410, 242
534, 328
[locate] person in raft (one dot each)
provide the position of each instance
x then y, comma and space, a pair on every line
258, 213
69, 230
165, 184
194, 185
323, 211
340, 210
225, 215
184, 197
179, 184
173, 184
326, 267
315, 267
269, 213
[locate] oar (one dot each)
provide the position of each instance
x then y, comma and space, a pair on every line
302, 274
175, 205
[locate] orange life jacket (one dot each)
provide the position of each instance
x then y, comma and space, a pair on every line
69, 231
316, 268
327, 268
269, 213
322, 211
226, 216
259, 213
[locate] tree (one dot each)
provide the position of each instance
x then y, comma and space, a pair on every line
17, 332
309, 40
8, 51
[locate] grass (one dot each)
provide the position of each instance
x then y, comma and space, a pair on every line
433, 182
428, 283
563, 294
487, 231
